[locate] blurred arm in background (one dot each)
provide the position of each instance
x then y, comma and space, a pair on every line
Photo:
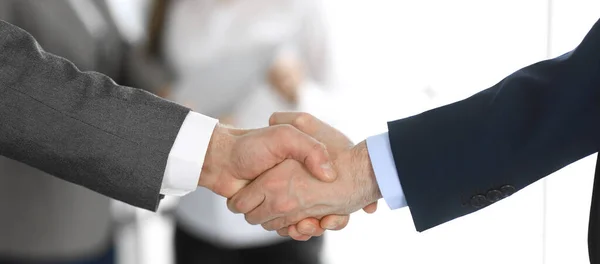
304, 59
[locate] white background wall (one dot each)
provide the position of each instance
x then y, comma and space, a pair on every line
391, 56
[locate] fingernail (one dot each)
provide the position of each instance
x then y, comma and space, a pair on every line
328, 169
335, 224
311, 229
331, 225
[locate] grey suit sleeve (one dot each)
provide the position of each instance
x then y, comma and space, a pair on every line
81, 126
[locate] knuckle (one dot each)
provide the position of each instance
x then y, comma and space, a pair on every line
231, 204
318, 148
285, 131
288, 221
238, 205
250, 220
273, 184
278, 209
303, 121
273, 118
267, 226
273, 225
282, 232
222, 189
285, 207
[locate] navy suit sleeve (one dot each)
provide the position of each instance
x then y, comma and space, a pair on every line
462, 157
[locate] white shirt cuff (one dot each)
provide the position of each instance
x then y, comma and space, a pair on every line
382, 160
187, 155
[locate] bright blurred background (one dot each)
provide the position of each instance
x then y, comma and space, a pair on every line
397, 58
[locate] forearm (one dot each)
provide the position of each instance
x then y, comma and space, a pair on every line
472, 153
82, 127
358, 160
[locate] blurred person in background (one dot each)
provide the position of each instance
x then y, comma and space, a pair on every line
63, 222
239, 61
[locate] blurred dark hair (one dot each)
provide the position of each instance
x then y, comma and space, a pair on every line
156, 27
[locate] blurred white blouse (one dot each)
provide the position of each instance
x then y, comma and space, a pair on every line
221, 51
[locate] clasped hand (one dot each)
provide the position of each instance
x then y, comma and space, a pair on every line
298, 176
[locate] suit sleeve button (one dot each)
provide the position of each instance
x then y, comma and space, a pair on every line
494, 196
478, 201
508, 190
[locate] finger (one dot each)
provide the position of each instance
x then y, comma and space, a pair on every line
263, 214
276, 200
310, 226
280, 222
303, 121
283, 232
371, 208
335, 140
293, 233
289, 142
274, 224
335, 222
246, 199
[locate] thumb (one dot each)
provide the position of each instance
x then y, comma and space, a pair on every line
289, 142
335, 222
371, 208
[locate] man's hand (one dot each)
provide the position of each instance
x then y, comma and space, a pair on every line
336, 142
235, 157
288, 193
284, 199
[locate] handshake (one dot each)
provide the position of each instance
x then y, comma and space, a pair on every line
298, 176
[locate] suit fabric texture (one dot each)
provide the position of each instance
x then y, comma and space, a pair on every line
81, 126
486, 147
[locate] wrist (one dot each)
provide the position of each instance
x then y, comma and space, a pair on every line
355, 166
366, 175
219, 148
